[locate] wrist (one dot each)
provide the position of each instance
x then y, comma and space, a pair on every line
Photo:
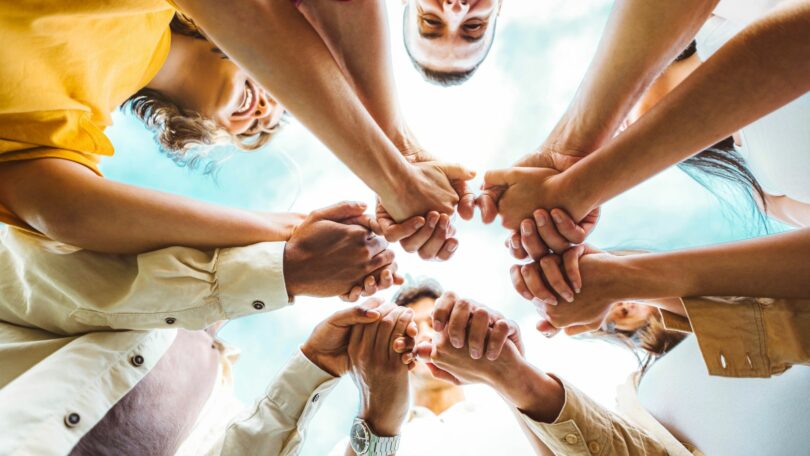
535, 393
315, 357
384, 416
653, 276
291, 271
576, 197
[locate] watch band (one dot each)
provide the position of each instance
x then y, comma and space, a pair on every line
383, 446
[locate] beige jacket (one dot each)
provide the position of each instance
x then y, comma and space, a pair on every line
737, 338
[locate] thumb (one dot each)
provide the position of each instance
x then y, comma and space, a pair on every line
423, 351
497, 178
455, 171
361, 314
340, 211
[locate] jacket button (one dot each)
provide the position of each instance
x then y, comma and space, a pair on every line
136, 360
170, 320
72, 419
594, 447
258, 305
571, 439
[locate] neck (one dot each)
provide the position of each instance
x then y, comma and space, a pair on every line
166, 77
438, 399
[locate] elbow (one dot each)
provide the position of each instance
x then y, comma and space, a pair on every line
62, 225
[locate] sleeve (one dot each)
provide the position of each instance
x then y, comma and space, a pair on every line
750, 337
584, 428
278, 423
70, 291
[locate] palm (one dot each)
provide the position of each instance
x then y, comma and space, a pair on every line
328, 344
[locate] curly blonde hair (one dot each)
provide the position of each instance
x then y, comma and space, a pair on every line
183, 134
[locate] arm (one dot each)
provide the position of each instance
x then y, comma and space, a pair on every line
787, 210
563, 420
69, 203
297, 67
358, 37
705, 108
77, 291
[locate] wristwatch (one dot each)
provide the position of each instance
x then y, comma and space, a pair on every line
366, 443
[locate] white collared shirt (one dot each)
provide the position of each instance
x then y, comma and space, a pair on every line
78, 330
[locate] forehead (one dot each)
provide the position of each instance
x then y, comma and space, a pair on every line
449, 52
422, 307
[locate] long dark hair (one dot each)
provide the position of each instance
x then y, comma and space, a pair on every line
722, 161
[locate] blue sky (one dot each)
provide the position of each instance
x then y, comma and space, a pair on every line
542, 49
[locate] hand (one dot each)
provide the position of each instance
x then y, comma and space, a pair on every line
431, 188
549, 232
607, 281
524, 190
431, 236
488, 329
331, 251
378, 370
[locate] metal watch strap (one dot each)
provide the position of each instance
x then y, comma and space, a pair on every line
383, 446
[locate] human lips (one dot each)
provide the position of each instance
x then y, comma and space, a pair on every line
249, 100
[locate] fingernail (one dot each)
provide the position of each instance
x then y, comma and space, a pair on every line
432, 220
452, 247
528, 296
568, 297
419, 224
475, 354
541, 220
557, 217
456, 343
548, 333
577, 290
399, 344
524, 228
491, 356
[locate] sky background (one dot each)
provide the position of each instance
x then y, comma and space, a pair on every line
541, 51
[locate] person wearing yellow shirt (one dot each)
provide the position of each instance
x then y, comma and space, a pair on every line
80, 60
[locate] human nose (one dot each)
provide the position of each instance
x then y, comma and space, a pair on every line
456, 7
264, 107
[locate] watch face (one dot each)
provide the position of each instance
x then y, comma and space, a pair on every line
360, 437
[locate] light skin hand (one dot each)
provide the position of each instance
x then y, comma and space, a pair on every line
484, 330
379, 372
327, 257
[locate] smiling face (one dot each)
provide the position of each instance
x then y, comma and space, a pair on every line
448, 39
423, 316
629, 316
200, 78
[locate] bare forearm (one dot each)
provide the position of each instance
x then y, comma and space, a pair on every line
532, 392
771, 67
773, 266
640, 39
70, 204
295, 65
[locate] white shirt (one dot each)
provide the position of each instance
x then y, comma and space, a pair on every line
777, 146
73, 322
469, 428
728, 416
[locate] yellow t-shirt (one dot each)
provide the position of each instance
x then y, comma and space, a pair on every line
66, 66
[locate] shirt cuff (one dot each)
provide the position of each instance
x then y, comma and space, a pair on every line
731, 336
564, 435
251, 279
300, 388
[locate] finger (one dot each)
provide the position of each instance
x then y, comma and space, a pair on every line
395, 232
381, 260
567, 227
403, 344
497, 178
589, 222
457, 324
487, 204
369, 286
340, 211
546, 328
412, 330
414, 242
352, 296
431, 248
442, 374
363, 220
386, 278
442, 309
477, 334
531, 276
515, 246
403, 319
553, 239
530, 240
581, 329
497, 339
466, 206
385, 331
423, 351
519, 283
455, 171
571, 263
376, 244
554, 277
408, 358
448, 250
359, 314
